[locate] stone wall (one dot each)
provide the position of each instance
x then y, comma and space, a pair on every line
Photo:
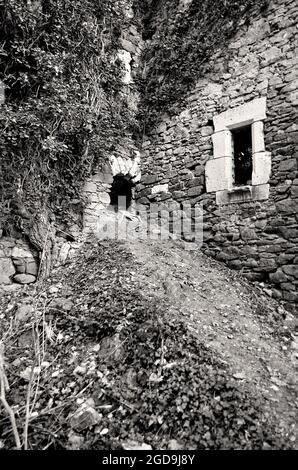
256, 235
18, 262
125, 160
97, 189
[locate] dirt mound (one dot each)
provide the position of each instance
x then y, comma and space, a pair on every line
144, 344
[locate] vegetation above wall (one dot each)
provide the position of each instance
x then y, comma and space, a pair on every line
182, 35
64, 109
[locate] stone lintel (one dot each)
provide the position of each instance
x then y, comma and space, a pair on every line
244, 114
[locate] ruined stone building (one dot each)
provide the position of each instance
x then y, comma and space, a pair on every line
232, 147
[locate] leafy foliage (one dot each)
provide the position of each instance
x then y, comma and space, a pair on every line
150, 377
177, 386
182, 38
65, 109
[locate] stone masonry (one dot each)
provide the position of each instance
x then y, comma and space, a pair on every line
252, 229
126, 159
18, 262
97, 189
188, 157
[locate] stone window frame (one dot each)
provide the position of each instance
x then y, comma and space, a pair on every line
220, 169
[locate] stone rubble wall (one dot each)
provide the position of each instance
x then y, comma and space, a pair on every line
97, 189
18, 262
258, 238
126, 158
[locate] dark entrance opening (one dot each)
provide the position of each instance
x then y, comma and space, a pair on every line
242, 141
121, 193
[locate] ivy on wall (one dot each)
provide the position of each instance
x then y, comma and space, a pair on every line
65, 110
181, 37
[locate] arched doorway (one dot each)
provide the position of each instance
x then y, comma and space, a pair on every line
121, 193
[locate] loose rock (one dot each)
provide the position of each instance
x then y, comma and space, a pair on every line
24, 278
85, 416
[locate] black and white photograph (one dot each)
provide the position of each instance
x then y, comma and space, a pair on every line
148, 230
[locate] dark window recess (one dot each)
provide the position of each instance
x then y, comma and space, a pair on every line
121, 193
242, 141
210, 123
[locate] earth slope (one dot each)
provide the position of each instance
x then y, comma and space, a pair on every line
143, 343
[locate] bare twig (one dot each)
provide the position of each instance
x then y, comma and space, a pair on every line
104, 29
33, 381
27, 416
4, 386
43, 251
162, 359
122, 402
